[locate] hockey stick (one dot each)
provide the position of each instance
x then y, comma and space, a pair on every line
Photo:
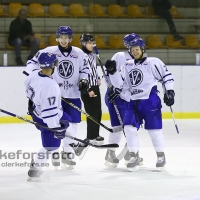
124, 151
168, 98
69, 136
109, 87
117, 129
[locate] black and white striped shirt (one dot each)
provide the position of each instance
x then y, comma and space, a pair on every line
93, 75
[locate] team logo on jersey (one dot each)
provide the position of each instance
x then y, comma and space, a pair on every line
136, 77
65, 69
66, 85
135, 91
129, 64
73, 56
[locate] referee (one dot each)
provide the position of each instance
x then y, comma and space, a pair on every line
92, 100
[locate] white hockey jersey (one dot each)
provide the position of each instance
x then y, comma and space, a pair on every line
44, 92
142, 76
117, 81
72, 67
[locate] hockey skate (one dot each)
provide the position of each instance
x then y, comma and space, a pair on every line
67, 160
161, 161
127, 159
111, 159
55, 159
80, 149
98, 141
133, 164
34, 172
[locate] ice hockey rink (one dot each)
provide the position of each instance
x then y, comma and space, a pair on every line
91, 179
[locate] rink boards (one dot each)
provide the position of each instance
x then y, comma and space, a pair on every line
187, 90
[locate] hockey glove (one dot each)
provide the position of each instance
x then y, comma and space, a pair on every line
30, 107
61, 130
113, 94
83, 86
111, 66
169, 101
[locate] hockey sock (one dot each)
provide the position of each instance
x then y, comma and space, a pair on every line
131, 138
157, 139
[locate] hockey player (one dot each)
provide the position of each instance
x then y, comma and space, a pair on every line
92, 99
71, 75
141, 77
45, 108
121, 99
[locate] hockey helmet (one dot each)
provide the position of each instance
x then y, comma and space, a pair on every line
137, 42
128, 38
47, 60
64, 30
84, 38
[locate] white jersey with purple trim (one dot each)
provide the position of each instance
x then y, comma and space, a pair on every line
120, 58
117, 79
44, 92
141, 76
72, 67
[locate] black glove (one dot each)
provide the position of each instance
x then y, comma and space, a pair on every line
113, 94
111, 66
83, 85
30, 107
61, 130
169, 101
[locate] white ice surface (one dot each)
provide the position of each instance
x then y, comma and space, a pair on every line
91, 179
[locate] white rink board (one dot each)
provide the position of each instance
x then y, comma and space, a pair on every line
187, 89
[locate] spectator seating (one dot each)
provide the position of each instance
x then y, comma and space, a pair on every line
134, 11
100, 42
155, 42
96, 10
12, 48
52, 40
1, 10
13, 9
57, 10
37, 10
76, 40
150, 12
192, 41
2, 13
174, 12
174, 44
114, 10
76, 10
42, 44
116, 42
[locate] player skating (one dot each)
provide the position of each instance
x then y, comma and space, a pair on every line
45, 108
141, 76
71, 75
121, 98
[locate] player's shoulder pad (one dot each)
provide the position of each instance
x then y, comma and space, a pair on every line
76, 51
153, 59
50, 49
117, 56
